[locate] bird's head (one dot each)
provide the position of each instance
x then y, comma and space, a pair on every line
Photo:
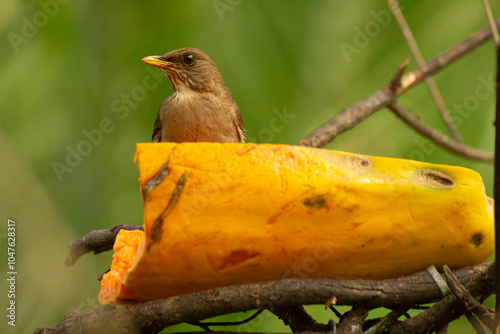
189, 68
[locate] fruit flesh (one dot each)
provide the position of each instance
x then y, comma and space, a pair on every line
224, 214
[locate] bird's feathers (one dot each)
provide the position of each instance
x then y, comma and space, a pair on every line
201, 108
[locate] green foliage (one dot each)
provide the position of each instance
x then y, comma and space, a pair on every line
71, 80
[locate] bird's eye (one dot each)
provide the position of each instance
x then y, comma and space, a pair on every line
188, 59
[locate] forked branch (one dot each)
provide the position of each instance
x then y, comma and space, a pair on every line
382, 98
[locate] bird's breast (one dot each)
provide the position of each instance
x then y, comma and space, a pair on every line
189, 116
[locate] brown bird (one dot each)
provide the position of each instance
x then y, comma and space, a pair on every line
201, 108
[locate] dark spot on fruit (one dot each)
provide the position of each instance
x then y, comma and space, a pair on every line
436, 179
364, 162
476, 240
439, 177
316, 203
238, 257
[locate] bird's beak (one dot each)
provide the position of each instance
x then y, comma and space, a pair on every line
157, 61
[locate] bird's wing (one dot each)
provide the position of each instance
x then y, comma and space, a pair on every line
240, 128
156, 136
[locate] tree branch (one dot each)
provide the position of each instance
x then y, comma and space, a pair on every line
491, 22
437, 136
451, 307
350, 117
353, 320
297, 319
96, 241
431, 84
471, 303
151, 317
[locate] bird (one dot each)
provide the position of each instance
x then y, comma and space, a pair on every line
201, 107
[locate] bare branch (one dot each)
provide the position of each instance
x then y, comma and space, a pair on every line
412, 43
491, 22
395, 82
475, 323
486, 316
387, 321
437, 136
350, 117
496, 184
297, 319
450, 307
353, 320
151, 317
96, 241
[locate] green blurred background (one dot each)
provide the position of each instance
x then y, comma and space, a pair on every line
67, 66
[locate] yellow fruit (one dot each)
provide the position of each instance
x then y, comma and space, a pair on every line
225, 214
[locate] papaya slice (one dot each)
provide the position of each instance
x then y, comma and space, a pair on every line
224, 214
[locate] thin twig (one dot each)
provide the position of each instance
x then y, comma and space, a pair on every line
335, 311
297, 318
395, 83
206, 325
350, 117
449, 308
496, 188
475, 323
431, 84
491, 21
496, 172
484, 314
438, 137
387, 321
